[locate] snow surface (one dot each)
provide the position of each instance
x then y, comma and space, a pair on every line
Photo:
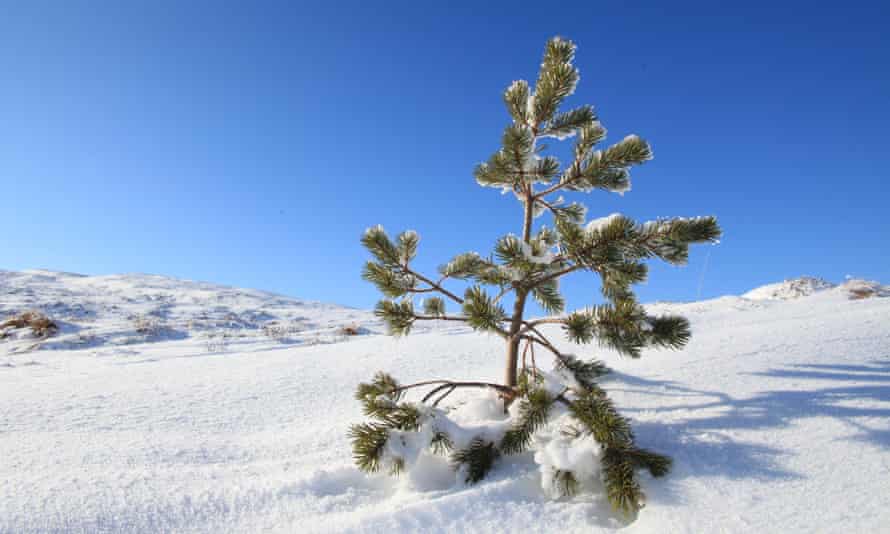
777, 415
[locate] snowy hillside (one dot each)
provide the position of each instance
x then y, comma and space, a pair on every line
777, 415
789, 289
807, 285
102, 311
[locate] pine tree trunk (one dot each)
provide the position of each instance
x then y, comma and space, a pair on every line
511, 374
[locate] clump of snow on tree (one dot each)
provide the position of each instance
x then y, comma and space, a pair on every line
600, 223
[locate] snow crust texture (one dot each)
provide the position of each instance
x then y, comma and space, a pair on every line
777, 416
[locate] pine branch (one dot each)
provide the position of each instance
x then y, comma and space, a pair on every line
392, 274
618, 276
516, 100
629, 151
588, 137
509, 250
584, 373
444, 396
566, 483
434, 306
498, 330
368, 444
556, 80
557, 274
540, 339
441, 443
396, 467
424, 290
548, 296
546, 238
398, 316
616, 246
542, 170
669, 331
622, 488
391, 282
435, 286
518, 141
407, 246
464, 266
580, 327
598, 415
547, 320
658, 465
605, 169
574, 212
379, 245
440, 318
380, 396
533, 410
568, 123
478, 458
617, 326
481, 310
402, 417
504, 390
496, 172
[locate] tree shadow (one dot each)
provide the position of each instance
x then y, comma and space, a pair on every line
702, 444
872, 367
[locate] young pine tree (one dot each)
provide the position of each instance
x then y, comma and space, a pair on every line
529, 266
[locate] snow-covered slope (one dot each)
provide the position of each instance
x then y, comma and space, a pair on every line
777, 415
106, 311
853, 288
789, 289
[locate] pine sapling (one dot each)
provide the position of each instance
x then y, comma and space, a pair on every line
529, 266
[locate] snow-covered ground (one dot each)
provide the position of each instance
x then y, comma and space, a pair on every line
777, 415
109, 312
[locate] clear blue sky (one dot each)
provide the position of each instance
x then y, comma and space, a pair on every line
252, 143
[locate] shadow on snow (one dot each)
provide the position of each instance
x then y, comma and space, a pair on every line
702, 445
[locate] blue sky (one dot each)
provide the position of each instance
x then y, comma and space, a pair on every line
252, 143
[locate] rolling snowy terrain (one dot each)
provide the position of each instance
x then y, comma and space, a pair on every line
171, 406
122, 310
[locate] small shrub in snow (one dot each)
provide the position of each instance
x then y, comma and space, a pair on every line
280, 332
862, 289
352, 330
147, 326
41, 326
218, 342
578, 438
